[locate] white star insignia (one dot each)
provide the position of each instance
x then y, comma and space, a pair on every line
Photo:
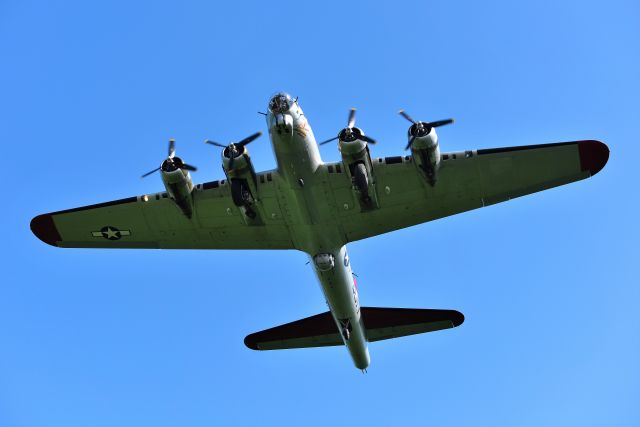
111, 233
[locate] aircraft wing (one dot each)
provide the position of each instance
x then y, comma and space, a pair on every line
466, 180
154, 221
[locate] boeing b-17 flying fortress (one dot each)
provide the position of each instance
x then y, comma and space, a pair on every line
318, 208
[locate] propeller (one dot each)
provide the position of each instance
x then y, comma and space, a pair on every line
350, 133
422, 128
172, 162
234, 149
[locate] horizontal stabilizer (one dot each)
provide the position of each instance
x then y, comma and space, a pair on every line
380, 324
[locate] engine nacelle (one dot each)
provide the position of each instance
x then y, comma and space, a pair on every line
241, 167
351, 145
426, 152
242, 179
178, 184
356, 158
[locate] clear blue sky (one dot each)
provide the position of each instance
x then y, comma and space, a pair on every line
91, 91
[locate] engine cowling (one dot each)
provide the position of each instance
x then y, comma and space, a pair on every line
425, 150
353, 146
355, 156
241, 166
242, 178
423, 141
240, 173
178, 183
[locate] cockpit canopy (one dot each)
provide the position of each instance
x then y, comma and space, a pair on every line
280, 103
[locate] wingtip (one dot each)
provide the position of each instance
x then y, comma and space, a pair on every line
458, 318
594, 155
43, 227
250, 342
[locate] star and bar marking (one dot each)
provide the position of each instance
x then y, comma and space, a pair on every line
110, 232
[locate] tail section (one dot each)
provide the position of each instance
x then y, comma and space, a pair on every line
380, 324
387, 323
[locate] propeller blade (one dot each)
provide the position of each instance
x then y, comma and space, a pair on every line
328, 140
188, 167
248, 139
149, 173
440, 123
413, 138
368, 139
231, 161
352, 118
172, 147
406, 116
206, 141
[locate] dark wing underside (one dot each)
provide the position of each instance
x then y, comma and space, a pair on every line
380, 324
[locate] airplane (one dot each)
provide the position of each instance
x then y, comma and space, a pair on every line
318, 208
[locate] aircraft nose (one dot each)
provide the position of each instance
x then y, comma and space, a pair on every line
280, 103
